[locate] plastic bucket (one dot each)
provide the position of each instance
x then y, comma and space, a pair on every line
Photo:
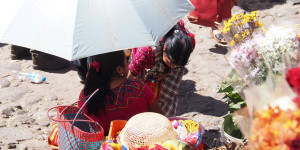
227, 139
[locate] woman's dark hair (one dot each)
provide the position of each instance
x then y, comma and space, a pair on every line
101, 80
178, 46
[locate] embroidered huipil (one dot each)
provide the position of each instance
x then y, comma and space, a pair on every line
129, 98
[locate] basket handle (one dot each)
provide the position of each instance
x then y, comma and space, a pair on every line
56, 120
85, 104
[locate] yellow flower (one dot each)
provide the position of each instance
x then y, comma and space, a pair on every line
246, 20
247, 16
276, 132
231, 43
288, 124
247, 32
233, 17
244, 34
225, 23
226, 29
256, 24
238, 16
236, 36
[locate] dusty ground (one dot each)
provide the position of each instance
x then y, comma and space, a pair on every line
23, 106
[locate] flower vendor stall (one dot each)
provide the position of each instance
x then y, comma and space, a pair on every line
255, 54
272, 120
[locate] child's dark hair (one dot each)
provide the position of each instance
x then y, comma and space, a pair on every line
178, 46
101, 80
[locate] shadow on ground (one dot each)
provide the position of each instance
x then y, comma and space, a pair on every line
1, 45
219, 49
189, 101
253, 5
61, 71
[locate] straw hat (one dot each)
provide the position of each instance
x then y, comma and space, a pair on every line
146, 129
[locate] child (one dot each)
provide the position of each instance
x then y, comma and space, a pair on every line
163, 67
118, 98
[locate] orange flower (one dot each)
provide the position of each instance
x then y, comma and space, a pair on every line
274, 128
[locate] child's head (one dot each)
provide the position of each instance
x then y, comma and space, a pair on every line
177, 47
101, 71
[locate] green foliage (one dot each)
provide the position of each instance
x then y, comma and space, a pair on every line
231, 128
235, 102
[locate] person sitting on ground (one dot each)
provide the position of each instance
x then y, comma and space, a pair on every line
163, 67
40, 60
118, 98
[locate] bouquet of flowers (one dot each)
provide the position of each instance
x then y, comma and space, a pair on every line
256, 51
277, 43
248, 63
240, 28
273, 118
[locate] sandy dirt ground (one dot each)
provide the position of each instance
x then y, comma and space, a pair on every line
23, 105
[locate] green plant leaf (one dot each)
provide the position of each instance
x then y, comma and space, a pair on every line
238, 105
225, 87
235, 98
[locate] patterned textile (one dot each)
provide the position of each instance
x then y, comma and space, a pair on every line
155, 87
143, 58
78, 134
169, 84
148, 62
129, 98
53, 137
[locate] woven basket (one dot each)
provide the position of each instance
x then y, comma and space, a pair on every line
146, 129
75, 129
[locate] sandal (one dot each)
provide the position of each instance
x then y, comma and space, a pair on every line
217, 36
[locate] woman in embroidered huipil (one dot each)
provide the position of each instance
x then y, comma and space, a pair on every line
118, 98
162, 67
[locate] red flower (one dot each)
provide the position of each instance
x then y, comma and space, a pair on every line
293, 78
296, 100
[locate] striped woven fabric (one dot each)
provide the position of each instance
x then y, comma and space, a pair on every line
53, 137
